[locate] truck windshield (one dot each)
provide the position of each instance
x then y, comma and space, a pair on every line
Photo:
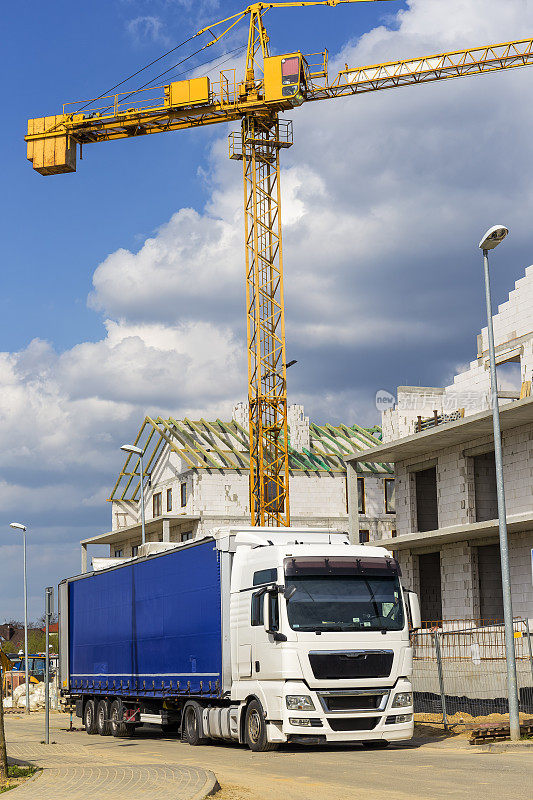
345, 603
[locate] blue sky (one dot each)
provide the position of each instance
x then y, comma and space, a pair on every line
123, 283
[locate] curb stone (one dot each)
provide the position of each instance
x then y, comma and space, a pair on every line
211, 787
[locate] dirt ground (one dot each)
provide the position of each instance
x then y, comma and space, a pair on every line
229, 792
460, 723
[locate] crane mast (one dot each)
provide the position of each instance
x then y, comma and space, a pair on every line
261, 139
272, 84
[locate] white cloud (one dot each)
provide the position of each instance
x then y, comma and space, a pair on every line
147, 28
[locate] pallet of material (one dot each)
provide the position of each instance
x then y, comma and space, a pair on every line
484, 732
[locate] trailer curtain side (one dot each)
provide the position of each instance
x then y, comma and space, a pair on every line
150, 627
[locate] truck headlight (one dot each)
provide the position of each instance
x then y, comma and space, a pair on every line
402, 700
299, 702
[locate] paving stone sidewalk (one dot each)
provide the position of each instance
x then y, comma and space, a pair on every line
79, 772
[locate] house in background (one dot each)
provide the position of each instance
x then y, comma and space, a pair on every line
197, 479
442, 447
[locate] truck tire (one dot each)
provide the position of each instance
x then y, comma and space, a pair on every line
118, 727
191, 725
255, 729
102, 718
375, 744
89, 717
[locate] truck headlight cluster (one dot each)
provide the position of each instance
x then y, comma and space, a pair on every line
402, 700
299, 702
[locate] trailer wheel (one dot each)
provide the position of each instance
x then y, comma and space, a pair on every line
192, 724
102, 718
375, 744
89, 717
255, 729
119, 728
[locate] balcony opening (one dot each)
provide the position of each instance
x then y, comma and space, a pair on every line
486, 497
430, 587
426, 499
490, 583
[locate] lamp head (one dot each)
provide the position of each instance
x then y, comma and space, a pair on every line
131, 448
493, 237
17, 526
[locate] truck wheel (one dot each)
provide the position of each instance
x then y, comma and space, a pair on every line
375, 744
89, 717
255, 729
119, 728
102, 718
192, 724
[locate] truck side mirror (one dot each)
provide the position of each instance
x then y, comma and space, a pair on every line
272, 616
413, 607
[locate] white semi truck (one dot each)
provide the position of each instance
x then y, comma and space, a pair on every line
258, 635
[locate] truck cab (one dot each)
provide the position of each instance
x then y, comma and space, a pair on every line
320, 638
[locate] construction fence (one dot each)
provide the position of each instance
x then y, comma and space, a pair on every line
459, 666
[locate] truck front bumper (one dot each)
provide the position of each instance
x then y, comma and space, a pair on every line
383, 721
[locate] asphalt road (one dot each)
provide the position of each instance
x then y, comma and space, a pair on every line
428, 768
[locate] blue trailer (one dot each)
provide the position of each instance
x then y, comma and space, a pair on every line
147, 633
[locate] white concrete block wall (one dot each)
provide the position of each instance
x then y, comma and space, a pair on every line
220, 493
298, 423
455, 485
527, 361
452, 488
458, 584
513, 318
520, 546
318, 494
409, 565
240, 414
459, 579
123, 513
404, 515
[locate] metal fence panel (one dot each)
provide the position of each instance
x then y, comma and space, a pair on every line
459, 666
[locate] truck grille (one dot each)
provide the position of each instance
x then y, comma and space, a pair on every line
364, 700
327, 665
354, 724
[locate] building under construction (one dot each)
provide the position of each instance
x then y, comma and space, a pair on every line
196, 479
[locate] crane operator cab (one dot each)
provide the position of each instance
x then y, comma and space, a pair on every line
284, 78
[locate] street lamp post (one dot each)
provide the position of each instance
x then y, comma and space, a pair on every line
18, 527
131, 448
492, 239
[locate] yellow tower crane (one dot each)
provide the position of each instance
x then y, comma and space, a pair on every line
272, 84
